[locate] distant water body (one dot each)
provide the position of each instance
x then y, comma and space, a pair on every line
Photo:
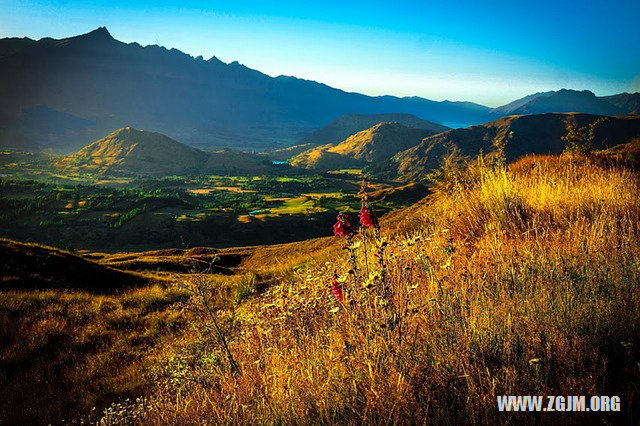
456, 125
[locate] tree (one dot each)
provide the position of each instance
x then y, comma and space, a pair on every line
202, 303
500, 143
579, 140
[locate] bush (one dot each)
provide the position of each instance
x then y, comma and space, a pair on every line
246, 288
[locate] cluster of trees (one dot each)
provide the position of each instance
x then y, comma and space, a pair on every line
288, 185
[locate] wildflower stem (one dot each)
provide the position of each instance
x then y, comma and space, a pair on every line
363, 230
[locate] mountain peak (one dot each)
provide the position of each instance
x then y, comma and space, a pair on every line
100, 32
563, 100
574, 91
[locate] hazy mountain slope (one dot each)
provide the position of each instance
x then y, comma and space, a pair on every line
368, 146
537, 134
629, 102
136, 152
347, 125
208, 103
563, 100
285, 154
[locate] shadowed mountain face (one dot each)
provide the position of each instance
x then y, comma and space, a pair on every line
628, 102
111, 84
563, 100
63, 94
368, 146
130, 152
532, 134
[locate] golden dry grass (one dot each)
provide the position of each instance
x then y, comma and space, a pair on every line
63, 353
524, 282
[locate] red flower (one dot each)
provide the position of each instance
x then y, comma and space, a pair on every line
367, 219
336, 289
342, 228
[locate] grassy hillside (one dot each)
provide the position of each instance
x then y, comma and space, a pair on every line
75, 333
347, 125
532, 134
31, 266
285, 154
502, 282
521, 281
129, 150
76, 336
374, 144
628, 153
133, 152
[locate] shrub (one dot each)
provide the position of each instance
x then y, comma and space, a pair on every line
245, 288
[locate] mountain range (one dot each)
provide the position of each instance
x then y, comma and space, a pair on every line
63, 94
209, 103
561, 101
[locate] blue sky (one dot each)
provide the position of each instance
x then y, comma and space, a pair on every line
489, 52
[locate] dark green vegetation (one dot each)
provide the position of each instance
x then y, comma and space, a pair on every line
85, 211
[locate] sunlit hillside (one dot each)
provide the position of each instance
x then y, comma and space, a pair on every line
343, 127
526, 134
517, 281
130, 151
374, 144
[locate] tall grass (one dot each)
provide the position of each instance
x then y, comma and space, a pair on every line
63, 353
522, 281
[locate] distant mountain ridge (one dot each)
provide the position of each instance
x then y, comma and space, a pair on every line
532, 134
628, 102
129, 151
63, 94
203, 103
564, 100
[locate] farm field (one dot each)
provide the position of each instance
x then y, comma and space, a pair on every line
87, 212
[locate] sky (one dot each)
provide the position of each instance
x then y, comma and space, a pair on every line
489, 52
